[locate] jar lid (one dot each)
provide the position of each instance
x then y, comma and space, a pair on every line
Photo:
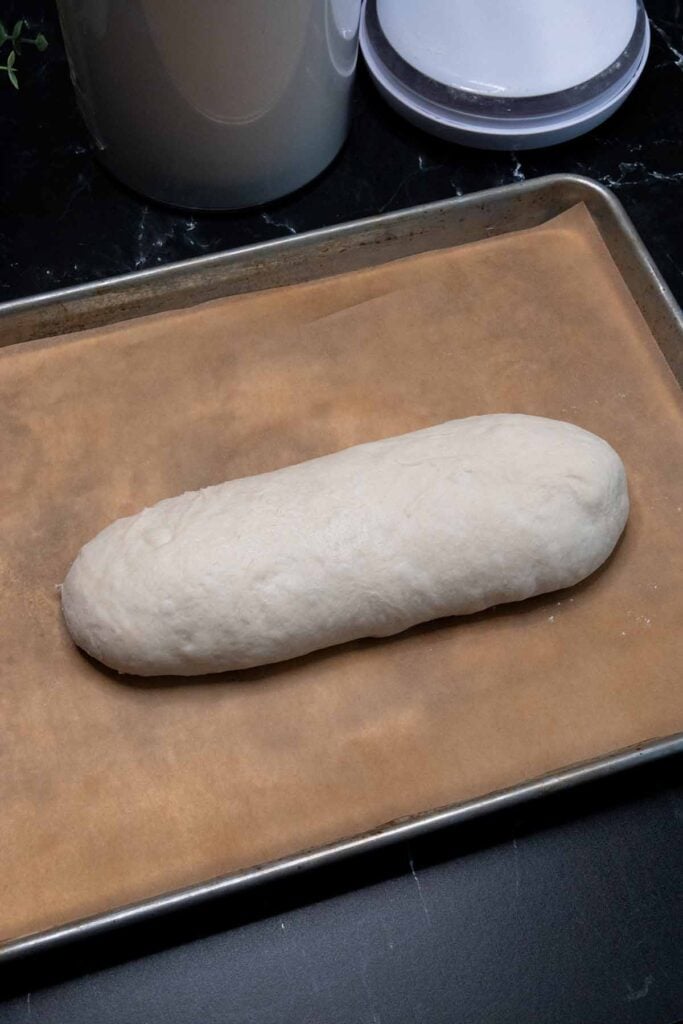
505, 73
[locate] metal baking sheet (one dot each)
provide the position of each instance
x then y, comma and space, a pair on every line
319, 254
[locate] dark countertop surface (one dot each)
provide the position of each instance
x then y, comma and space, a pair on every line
568, 910
65, 220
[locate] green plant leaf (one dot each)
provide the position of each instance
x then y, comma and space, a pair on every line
3, 34
10, 60
16, 43
40, 42
12, 75
16, 31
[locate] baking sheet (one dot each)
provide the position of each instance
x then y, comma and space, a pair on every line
114, 789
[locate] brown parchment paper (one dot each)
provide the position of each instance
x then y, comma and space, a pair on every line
113, 789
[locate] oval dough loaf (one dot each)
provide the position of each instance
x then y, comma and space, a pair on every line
365, 542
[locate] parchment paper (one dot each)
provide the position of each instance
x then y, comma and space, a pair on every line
113, 789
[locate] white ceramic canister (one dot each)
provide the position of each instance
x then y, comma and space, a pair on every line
214, 104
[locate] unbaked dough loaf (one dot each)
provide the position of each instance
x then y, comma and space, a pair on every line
365, 542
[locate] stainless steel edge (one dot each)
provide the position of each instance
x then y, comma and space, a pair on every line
360, 231
411, 828
316, 254
351, 246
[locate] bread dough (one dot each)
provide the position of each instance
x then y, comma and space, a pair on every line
364, 542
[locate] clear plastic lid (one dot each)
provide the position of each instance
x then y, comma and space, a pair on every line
507, 61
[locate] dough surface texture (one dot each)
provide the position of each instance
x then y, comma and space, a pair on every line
367, 541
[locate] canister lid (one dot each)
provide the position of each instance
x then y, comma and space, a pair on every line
505, 72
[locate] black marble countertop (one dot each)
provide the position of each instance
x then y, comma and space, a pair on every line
567, 910
65, 220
